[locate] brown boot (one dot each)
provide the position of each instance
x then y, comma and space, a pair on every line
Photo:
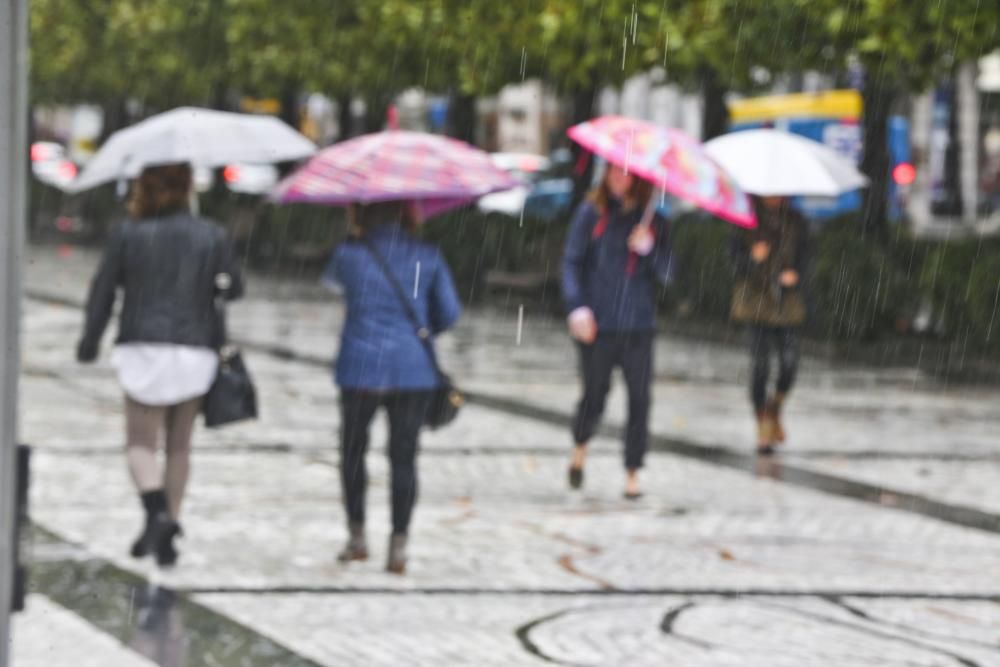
397, 554
765, 432
357, 545
774, 409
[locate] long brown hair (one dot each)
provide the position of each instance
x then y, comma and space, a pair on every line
362, 218
160, 190
639, 193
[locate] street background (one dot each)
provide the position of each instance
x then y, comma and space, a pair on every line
872, 539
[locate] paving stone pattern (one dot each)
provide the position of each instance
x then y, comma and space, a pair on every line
714, 566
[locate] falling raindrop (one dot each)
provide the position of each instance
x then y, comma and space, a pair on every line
996, 299
416, 281
520, 322
635, 22
131, 605
624, 44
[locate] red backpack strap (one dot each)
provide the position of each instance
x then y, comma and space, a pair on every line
600, 227
633, 259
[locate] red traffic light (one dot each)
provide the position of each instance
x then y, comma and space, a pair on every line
904, 173
41, 152
231, 173
67, 170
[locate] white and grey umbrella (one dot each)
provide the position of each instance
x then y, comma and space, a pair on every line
775, 163
201, 137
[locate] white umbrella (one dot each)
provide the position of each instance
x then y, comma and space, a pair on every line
774, 163
201, 137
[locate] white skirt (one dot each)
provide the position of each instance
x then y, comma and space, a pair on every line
164, 374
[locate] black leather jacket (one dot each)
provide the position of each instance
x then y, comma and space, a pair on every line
168, 268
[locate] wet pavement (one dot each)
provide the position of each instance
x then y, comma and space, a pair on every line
872, 540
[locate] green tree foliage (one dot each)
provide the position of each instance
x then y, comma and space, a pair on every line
162, 51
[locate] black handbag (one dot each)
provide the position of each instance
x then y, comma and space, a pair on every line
232, 397
447, 399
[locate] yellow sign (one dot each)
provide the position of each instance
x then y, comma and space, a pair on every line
267, 106
829, 104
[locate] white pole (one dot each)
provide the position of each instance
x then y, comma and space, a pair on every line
13, 168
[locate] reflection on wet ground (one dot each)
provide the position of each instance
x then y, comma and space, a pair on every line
167, 628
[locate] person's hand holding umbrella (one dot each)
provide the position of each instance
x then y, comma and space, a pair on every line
760, 251
642, 240
789, 278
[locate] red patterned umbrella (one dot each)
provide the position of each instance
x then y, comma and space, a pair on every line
670, 160
436, 172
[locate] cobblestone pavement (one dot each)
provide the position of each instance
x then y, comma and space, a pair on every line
721, 563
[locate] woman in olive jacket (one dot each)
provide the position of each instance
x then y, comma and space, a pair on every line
771, 264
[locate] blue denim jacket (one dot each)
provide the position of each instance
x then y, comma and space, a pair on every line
596, 269
379, 348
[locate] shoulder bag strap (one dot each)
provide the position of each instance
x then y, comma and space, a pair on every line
422, 332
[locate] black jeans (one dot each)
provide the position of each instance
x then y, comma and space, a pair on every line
784, 341
633, 352
407, 410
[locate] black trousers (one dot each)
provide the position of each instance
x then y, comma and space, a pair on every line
784, 341
633, 352
406, 410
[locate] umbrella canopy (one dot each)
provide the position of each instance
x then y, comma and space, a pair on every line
670, 160
436, 172
201, 137
775, 163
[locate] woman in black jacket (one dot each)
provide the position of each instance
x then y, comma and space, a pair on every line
171, 267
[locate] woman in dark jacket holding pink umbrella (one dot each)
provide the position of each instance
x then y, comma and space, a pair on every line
612, 263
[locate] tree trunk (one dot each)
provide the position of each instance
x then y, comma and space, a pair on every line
290, 104
114, 117
878, 97
375, 113
462, 117
345, 122
584, 103
715, 114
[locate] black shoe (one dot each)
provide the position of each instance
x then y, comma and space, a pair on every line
633, 495
166, 552
575, 477
149, 539
765, 450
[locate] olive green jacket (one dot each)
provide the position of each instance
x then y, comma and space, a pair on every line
758, 297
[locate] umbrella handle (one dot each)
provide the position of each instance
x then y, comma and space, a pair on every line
647, 215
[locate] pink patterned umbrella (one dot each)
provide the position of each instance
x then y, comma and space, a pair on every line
670, 160
436, 172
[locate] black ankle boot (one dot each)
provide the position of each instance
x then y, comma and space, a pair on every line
166, 552
155, 504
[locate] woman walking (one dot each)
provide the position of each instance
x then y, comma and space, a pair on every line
770, 263
611, 265
383, 361
171, 266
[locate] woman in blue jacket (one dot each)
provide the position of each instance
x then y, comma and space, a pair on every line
611, 266
382, 361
